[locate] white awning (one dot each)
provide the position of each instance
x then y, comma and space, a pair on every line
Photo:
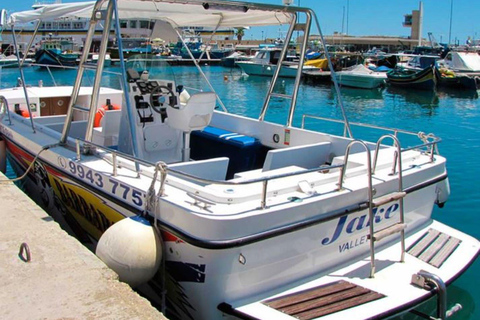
54, 11
178, 13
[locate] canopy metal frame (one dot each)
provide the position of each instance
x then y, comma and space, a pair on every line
112, 11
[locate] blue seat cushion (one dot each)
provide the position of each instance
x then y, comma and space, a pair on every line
228, 137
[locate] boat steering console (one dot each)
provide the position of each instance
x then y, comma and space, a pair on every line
156, 95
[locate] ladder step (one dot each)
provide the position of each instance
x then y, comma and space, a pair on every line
395, 228
77, 107
281, 95
90, 66
394, 196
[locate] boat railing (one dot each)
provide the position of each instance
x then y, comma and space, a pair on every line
430, 141
49, 68
4, 109
429, 146
116, 156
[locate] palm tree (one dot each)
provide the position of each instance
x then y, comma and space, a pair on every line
240, 33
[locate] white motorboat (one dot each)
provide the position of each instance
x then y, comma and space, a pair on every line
360, 76
461, 61
459, 69
416, 62
233, 217
265, 62
11, 61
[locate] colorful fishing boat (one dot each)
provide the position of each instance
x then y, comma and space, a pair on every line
228, 216
56, 52
416, 79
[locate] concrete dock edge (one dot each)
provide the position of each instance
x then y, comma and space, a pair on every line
63, 280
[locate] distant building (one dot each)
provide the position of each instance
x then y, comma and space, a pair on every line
414, 21
386, 43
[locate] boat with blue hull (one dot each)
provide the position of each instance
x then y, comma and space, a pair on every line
175, 190
56, 52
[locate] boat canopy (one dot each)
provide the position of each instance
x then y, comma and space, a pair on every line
178, 14
469, 61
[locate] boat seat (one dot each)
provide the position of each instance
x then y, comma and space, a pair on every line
211, 169
195, 114
107, 134
307, 156
161, 142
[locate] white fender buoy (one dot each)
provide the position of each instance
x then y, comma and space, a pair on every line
443, 192
131, 248
3, 156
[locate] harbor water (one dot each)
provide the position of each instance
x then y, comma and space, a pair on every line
452, 115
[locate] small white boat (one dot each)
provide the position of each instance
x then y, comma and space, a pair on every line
11, 61
360, 76
459, 69
229, 216
416, 62
265, 62
466, 62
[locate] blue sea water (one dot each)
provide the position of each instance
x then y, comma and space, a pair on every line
453, 115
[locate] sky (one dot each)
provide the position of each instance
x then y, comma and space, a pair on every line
370, 17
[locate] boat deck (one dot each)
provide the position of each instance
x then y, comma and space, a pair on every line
350, 293
323, 300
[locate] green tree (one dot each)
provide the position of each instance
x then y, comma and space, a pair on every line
240, 33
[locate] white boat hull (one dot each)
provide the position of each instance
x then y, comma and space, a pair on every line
360, 81
248, 254
259, 69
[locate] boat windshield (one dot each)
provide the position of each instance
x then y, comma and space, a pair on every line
156, 66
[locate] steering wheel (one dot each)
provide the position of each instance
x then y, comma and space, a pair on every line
160, 89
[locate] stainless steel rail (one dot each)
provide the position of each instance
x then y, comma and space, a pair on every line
5, 108
425, 138
116, 155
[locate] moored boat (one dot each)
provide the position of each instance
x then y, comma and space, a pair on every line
459, 70
270, 220
265, 63
360, 76
11, 61
56, 52
422, 79
450, 79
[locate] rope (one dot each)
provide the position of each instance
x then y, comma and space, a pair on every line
425, 139
151, 203
31, 164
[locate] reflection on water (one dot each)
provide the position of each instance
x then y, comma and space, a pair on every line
422, 98
457, 93
361, 94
